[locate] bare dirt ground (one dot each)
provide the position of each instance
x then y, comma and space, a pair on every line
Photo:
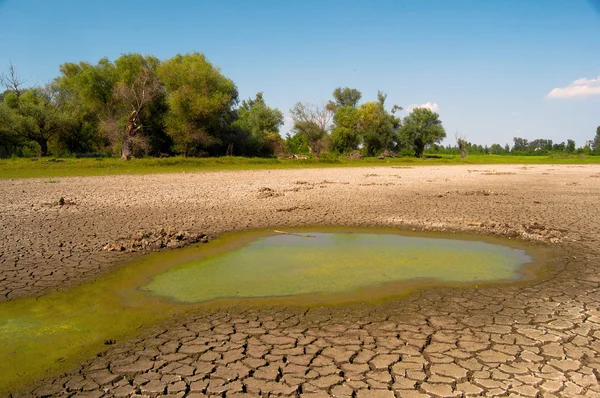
532, 340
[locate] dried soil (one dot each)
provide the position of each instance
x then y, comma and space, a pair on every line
532, 340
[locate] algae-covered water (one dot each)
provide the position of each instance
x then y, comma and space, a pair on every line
46, 335
284, 265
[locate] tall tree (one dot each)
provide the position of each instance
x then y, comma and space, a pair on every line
9, 141
344, 97
200, 102
86, 91
496, 149
261, 125
345, 136
520, 144
137, 87
112, 99
422, 127
312, 121
596, 141
376, 126
344, 132
36, 115
570, 146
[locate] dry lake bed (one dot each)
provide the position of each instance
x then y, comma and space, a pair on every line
536, 337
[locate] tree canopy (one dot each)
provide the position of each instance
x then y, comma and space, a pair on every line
261, 125
596, 141
139, 105
200, 102
422, 127
344, 97
312, 121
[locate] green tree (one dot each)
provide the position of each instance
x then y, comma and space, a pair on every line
422, 127
596, 141
35, 115
200, 102
86, 92
345, 136
312, 121
559, 147
137, 87
376, 126
344, 97
496, 149
261, 125
570, 146
112, 100
520, 144
296, 143
9, 141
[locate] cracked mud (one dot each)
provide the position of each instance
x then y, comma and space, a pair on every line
539, 339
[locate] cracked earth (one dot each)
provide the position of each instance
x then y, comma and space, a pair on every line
534, 339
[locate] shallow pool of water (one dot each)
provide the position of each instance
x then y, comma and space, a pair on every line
314, 262
55, 332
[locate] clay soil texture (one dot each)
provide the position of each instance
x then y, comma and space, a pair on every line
537, 339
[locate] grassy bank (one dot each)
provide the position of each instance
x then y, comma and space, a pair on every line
50, 167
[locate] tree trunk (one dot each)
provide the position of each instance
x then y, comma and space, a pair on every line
126, 148
419, 149
132, 127
44, 146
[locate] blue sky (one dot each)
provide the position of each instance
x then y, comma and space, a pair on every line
488, 68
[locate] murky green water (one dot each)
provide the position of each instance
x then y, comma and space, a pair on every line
284, 265
55, 332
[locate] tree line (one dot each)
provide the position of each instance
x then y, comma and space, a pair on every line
524, 147
141, 106
136, 106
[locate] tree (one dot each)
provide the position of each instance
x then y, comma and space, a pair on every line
111, 100
596, 141
422, 127
559, 147
540, 144
570, 146
296, 143
376, 126
496, 149
86, 92
137, 87
261, 125
9, 141
312, 121
520, 144
344, 97
462, 145
345, 136
200, 102
36, 115
11, 81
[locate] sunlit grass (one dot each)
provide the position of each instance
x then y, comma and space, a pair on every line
48, 167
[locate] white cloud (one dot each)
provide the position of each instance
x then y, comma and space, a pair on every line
580, 88
287, 119
434, 107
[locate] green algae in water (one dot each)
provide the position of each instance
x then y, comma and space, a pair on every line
50, 334
284, 265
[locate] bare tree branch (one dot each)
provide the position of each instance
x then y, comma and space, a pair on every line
11, 80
